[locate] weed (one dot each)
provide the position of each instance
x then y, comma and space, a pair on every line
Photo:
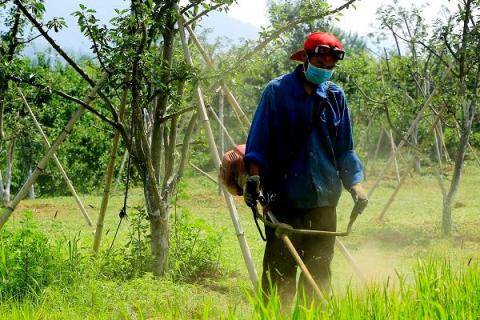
133, 259
195, 249
438, 292
29, 262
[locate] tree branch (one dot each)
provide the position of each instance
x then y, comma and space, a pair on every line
53, 43
30, 40
203, 13
95, 47
67, 58
190, 6
62, 94
176, 114
171, 184
240, 62
439, 57
13, 41
365, 95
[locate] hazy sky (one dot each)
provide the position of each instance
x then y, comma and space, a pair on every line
358, 20
242, 21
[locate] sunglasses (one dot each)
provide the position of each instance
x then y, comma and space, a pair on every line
338, 54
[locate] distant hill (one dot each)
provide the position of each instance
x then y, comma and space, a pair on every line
215, 25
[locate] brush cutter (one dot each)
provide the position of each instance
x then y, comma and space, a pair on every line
282, 230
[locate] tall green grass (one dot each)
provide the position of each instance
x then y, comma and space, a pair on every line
438, 291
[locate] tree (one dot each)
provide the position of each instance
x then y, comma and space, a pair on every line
460, 38
142, 71
444, 59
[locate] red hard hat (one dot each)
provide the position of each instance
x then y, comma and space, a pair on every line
313, 40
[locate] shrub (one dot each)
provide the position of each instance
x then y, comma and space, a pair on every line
133, 259
195, 248
29, 262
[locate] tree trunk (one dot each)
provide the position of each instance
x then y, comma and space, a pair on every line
2, 185
457, 172
3, 89
221, 137
162, 100
8, 175
415, 142
159, 218
31, 192
447, 216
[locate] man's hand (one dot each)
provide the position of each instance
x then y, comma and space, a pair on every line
252, 190
359, 197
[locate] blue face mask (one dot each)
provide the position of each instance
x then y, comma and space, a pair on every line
317, 75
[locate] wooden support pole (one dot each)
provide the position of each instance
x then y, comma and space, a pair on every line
407, 172
109, 177
228, 93
205, 174
223, 130
394, 194
216, 158
122, 165
438, 147
379, 143
221, 122
57, 162
402, 143
43, 163
393, 148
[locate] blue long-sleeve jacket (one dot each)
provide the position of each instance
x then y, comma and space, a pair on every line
303, 144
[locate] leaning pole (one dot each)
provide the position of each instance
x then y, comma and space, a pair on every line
43, 163
228, 93
216, 158
109, 177
55, 159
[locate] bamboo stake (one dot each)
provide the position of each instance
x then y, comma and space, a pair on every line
440, 165
407, 172
109, 177
209, 177
216, 158
393, 147
404, 139
444, 146
222, 127
43, 163
122, 165
31, 191
394, 194
379, 144
221, 116
228, 94
55, 159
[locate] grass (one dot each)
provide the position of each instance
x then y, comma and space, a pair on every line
413, 271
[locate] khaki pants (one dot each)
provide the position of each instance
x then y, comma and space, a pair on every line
279, 267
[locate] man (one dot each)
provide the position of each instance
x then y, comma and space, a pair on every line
300, 150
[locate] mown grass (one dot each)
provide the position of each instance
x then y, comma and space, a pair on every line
444, 283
